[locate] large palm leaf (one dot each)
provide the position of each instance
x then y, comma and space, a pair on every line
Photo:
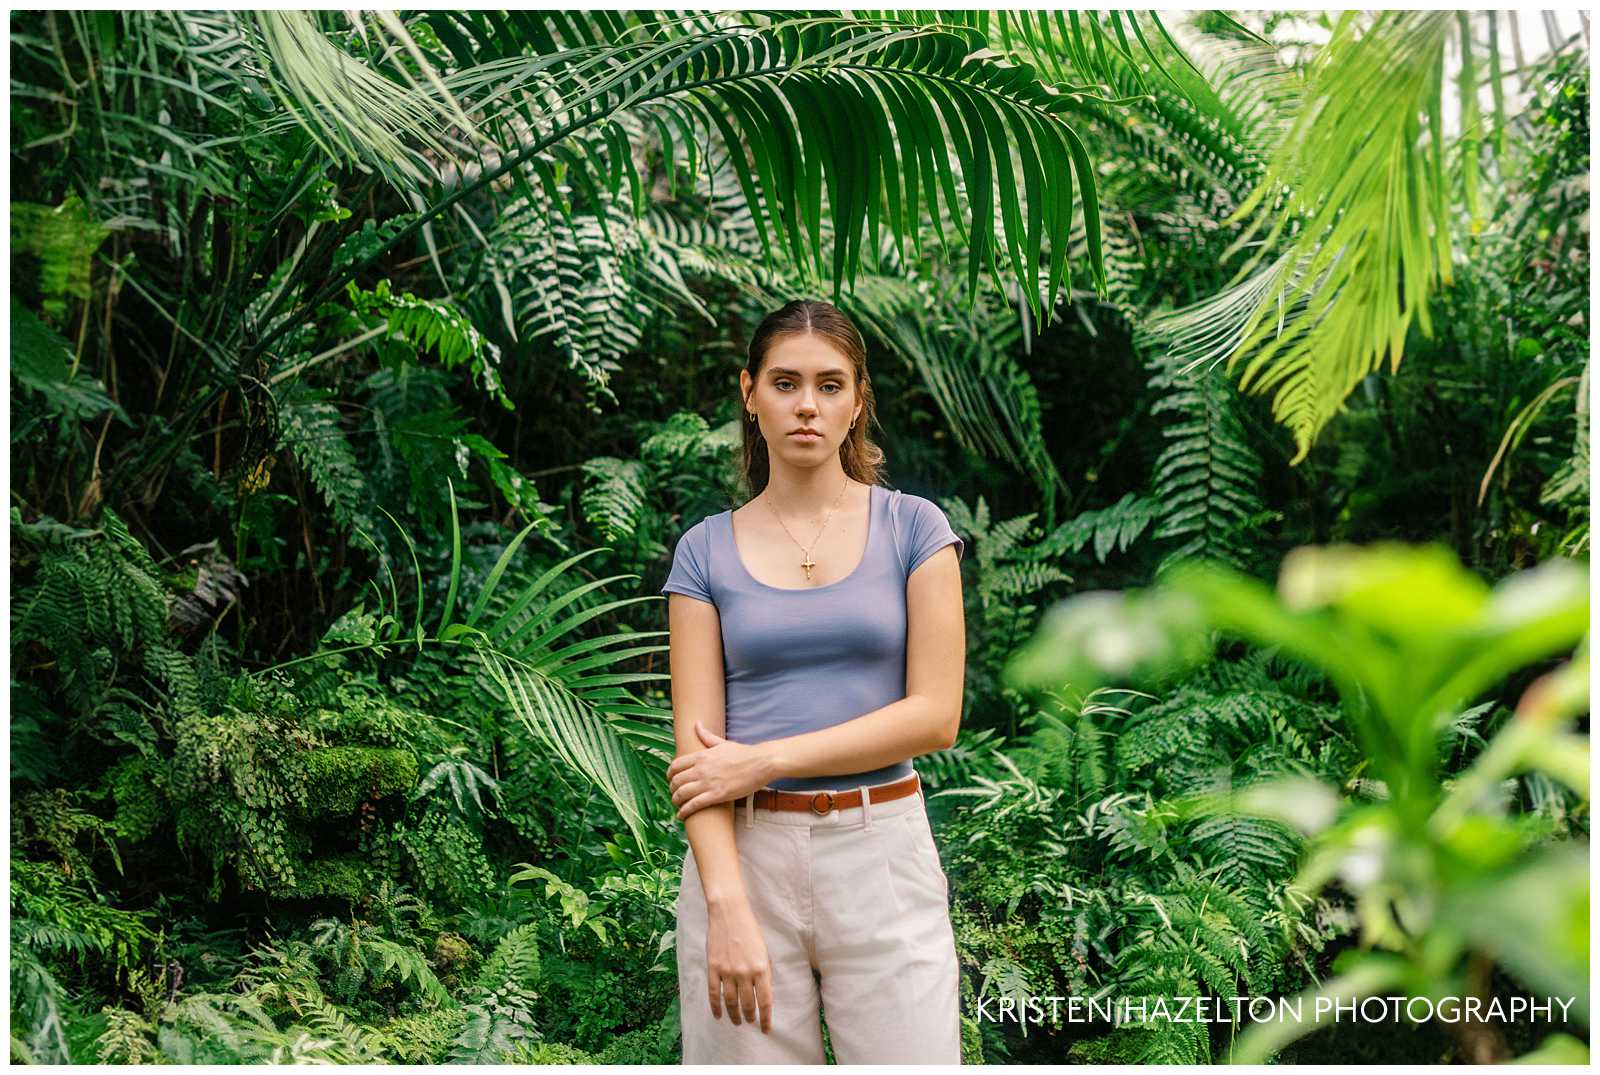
864, 125
1356, 209
1064, 46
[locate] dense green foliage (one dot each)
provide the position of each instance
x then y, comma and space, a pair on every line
353, 420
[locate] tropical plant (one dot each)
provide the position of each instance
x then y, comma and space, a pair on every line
1352, 220
1410, 639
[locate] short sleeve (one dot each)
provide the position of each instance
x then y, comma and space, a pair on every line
691, 565
926, 530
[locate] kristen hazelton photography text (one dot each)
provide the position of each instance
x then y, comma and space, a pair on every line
944, 536
1118, 1011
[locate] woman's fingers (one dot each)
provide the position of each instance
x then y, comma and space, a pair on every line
682, 762
714, 986
684, 792
764, 998
675, 783
699, 802
696, 796
747, 1000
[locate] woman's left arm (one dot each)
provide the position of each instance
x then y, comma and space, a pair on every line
925, 720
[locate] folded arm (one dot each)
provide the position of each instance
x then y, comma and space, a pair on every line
925, 720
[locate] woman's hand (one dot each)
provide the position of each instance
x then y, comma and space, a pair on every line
738, 972
723, 772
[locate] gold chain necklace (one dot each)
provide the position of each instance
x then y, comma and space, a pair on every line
807, 563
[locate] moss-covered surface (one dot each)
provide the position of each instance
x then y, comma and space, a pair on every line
344, 877
339, 779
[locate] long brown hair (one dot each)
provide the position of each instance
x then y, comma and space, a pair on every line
859, 455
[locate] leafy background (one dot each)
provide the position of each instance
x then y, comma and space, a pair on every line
365, 368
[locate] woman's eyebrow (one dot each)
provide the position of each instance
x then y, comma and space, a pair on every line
783, 371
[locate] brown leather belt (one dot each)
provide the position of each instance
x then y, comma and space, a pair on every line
820, 802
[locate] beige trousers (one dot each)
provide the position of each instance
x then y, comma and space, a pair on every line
854, 909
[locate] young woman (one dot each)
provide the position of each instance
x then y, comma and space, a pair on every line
817, 646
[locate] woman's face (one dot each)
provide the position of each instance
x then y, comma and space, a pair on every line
805, 384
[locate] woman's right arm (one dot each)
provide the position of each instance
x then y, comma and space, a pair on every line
736, 953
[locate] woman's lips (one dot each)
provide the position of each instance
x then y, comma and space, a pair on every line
805, 438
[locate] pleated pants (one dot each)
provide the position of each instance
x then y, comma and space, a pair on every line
854, 908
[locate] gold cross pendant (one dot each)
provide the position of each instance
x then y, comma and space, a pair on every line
808, 565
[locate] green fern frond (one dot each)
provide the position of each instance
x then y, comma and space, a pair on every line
1005, 534
64, 239
1245, 852
346, 1041
500, 1017
410, 965
127, 1038
1206, 484
179, 682
1167, 739
42, 362
1243, 910
39, 1004
54, 910
434, 324
496, 1025
971, 753
616, 496
423, 1037
515, 961
92, 587
1171, 1042
1009, 572
208, 1027
309, 427
1115, 527
1006, 978
1072, 751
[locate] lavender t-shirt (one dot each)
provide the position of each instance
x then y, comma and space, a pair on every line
796, 660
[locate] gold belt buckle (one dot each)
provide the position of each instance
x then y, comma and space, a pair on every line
825, 809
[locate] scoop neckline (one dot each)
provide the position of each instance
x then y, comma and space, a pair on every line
866, 551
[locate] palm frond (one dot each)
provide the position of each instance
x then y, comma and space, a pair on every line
1366, 195
353, 112
1063, 45
577, 733
785, 95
